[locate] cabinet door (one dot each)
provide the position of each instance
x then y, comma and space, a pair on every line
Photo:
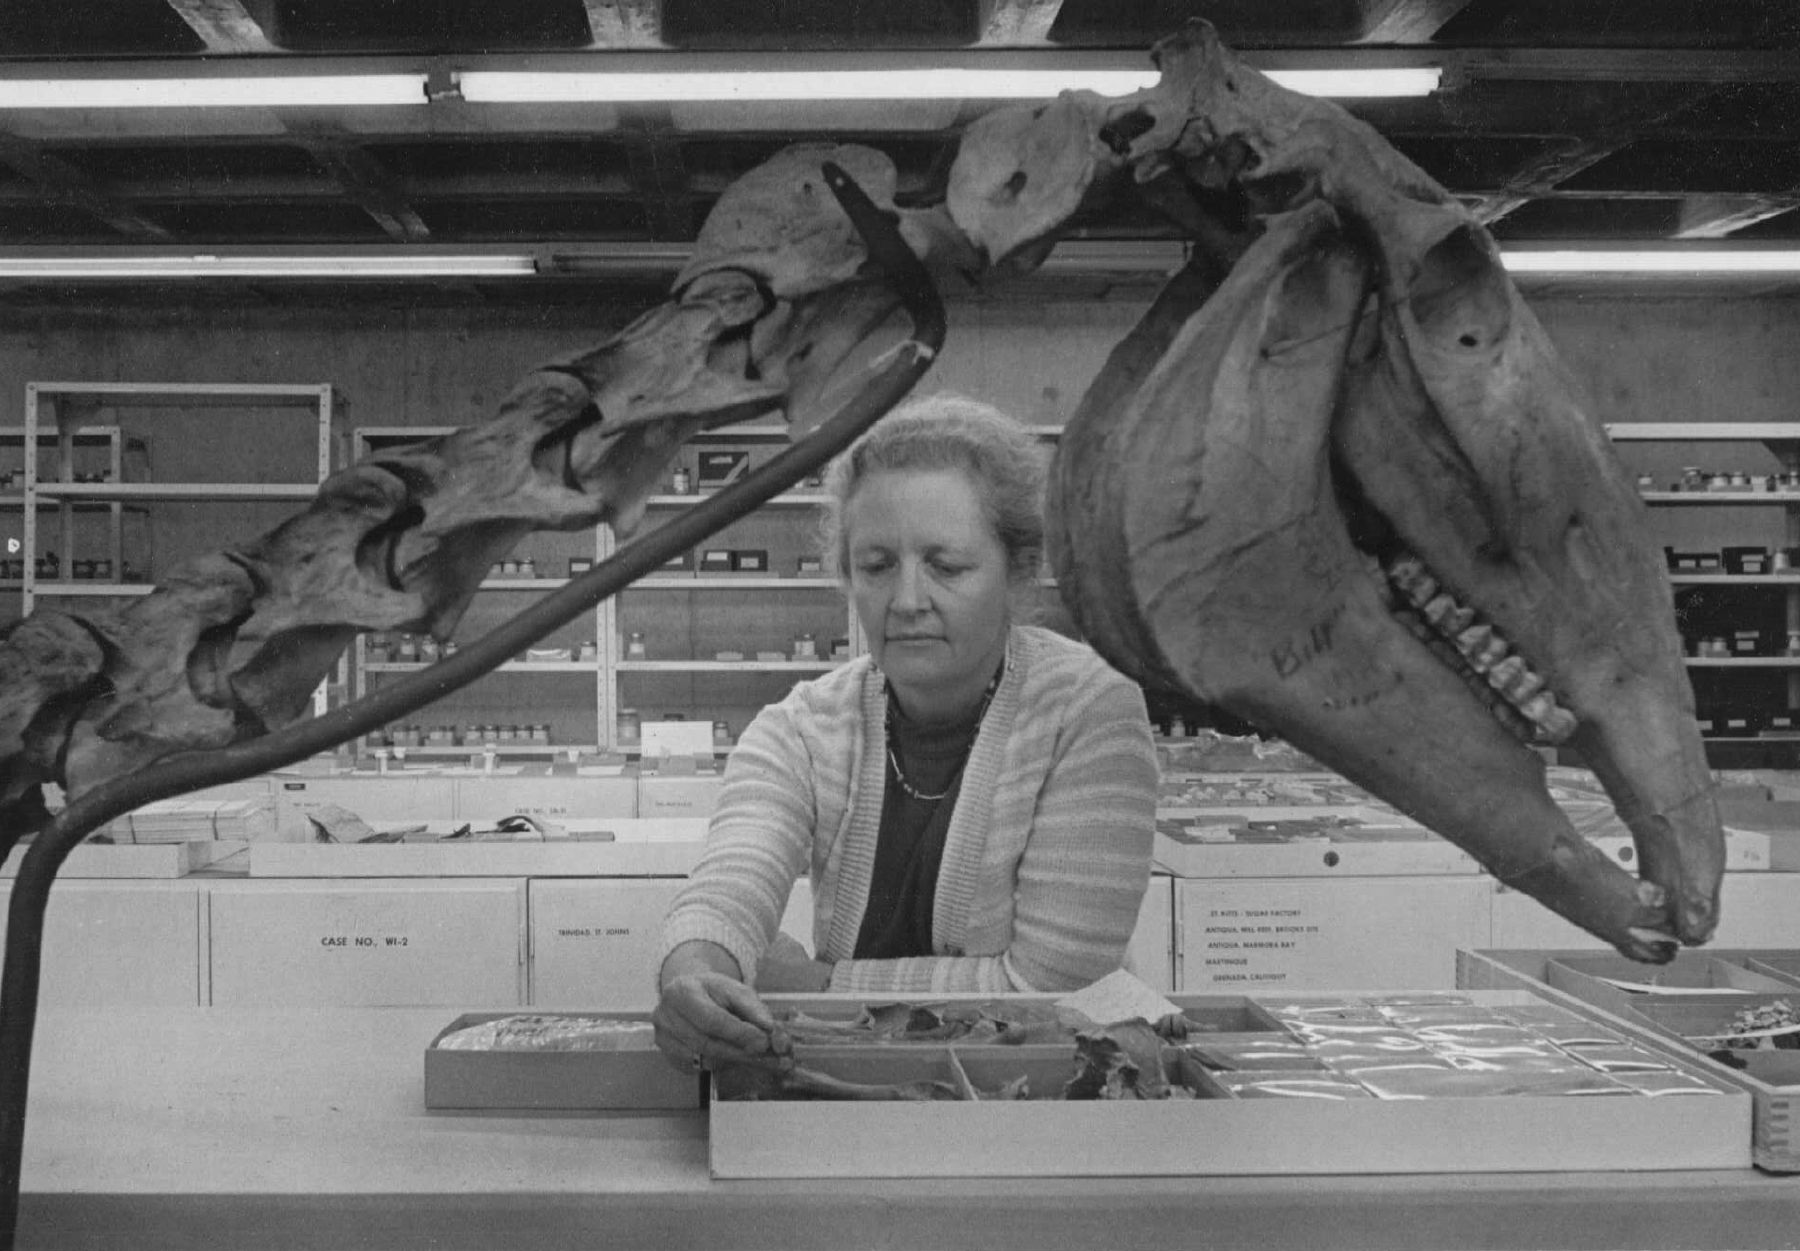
367, 943
1369, 933
122, 944
596, 942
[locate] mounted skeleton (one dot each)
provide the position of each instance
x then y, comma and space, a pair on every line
1335, 482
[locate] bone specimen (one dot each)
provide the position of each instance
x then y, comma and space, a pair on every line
230, 646
1338, 483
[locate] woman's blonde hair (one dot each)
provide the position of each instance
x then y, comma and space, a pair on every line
949, 431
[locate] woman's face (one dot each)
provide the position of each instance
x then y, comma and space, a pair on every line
928, 577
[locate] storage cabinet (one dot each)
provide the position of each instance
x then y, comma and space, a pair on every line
654, 651
1725, 501
177, 470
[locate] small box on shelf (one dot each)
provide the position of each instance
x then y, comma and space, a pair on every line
1692, 561
750, 560
1746, 560
679, 566
718, 468
579, 565
715, 560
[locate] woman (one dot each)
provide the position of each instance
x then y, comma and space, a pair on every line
973, 799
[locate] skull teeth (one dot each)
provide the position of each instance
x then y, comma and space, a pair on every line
1503, 681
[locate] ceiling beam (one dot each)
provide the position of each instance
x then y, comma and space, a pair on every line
1408, 21
1016, 23
363, 178
1628, 122
224, 25
1540, 175
653, 158
61, 183
625, 23
1720, 216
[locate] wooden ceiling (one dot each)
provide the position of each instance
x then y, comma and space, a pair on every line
1559, 120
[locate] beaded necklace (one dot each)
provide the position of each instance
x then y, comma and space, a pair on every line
914, 792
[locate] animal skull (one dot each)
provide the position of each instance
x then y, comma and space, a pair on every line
1338, 483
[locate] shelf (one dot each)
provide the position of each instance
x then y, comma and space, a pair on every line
1768, 499
45, 587
1743, 662
511, 666
179, 490
792, 499
727, 666
191, 394
1703, 432
80, 506
734, 582
1736, 579
523, 584
498, 749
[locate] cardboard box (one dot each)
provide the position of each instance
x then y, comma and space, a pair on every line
122, 944
389, 797
133, 860
385, 944
1204, 1136
694, 797
598, 943
1586, 981
543, 795
1373, 933
633, 1078
650, 856
1301, 841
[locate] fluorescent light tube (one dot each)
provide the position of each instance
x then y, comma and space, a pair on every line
203, 265
552, 87
1669, 261
273, 91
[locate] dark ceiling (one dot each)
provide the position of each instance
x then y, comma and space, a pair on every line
1560, 120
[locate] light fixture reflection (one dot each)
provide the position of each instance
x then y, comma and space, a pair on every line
204, 265
1669, 261
551, 87
273, 91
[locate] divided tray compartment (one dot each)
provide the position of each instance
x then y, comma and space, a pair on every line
636, 1078
1204, 1136
1708, 988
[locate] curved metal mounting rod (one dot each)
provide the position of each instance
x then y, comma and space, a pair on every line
886, 385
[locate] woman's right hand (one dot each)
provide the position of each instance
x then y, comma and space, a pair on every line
707, 1017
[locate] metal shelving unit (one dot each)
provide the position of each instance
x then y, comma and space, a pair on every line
62, 413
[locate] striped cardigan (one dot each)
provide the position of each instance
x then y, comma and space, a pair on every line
1047, 855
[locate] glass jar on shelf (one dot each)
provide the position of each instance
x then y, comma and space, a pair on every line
1693, 478
721, 734
681, 481
635, 647
806, 646
631, 727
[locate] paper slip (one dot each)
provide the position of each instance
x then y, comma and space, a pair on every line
1118, 997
